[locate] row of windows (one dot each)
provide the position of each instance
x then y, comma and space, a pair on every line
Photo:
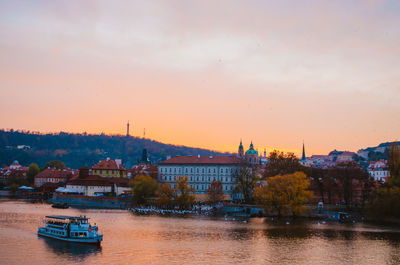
198, 179
198, 170
378, 173
55, 232
79, 234
205, 187
106, 171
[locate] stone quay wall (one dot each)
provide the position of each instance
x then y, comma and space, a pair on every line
93, 202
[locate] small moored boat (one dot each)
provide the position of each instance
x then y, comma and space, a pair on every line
60, 205
71, 229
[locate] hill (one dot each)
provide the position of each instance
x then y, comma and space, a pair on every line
375, 153
76, 150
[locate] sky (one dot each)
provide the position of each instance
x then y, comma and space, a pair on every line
205, 73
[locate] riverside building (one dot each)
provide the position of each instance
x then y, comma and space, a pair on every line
201, 171
109, 168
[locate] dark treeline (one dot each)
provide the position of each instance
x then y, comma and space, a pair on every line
76, 150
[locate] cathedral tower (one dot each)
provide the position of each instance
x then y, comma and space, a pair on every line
241, 150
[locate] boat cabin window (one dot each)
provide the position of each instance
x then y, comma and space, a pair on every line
81, 234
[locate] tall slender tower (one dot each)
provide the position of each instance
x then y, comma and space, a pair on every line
127, 129
303, 157
241, 150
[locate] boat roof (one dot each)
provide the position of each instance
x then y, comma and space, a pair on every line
64, 217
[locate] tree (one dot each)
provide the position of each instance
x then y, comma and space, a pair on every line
215, 193
54, 164
348, 174
317, 175
143, 187
18, 178
33, 170
280, 163
13, 188
246, 181
165, 195
394, 164
385, 201
284, 194
184, 198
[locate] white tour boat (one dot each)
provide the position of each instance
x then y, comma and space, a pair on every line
71, 229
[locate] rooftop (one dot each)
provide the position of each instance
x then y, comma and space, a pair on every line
108, 164
57, 173
64, 217
216, 160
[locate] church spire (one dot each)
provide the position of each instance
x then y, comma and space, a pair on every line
241, 150
303, 157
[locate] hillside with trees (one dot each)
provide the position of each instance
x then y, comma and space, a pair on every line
77, 150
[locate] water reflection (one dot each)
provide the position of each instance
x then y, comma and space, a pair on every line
69, 248
194, 240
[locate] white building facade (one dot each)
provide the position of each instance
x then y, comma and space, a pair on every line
379, 170
201, 171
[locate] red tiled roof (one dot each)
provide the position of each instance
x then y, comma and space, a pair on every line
21, 168
107, 164
152, 168
203, 160
120, 182
55, 173
91, 180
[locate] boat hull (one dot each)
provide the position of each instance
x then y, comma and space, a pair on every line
93, 241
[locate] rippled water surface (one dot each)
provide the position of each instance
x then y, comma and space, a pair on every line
130, 239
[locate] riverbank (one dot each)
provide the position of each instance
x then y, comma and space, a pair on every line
93, 202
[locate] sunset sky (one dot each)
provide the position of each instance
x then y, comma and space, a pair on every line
205, 73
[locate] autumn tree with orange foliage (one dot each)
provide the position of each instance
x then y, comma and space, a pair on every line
165, 195
184, 196
284, 194
215, 193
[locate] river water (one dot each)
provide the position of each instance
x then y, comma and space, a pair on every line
130, 239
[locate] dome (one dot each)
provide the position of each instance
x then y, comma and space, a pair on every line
251, 152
